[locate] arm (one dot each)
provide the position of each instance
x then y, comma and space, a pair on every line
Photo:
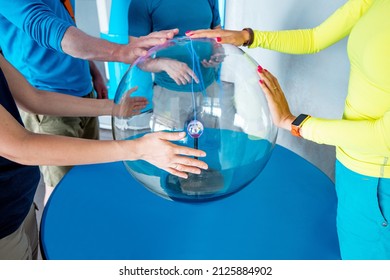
372, 136
98, 82
177, 70
22, 146
48, 30
305, 41
78, 44
302, 41
368, 136
31, 99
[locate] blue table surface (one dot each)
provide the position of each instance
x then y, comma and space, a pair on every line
101, 212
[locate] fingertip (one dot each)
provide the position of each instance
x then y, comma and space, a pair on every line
218, 39
182, 134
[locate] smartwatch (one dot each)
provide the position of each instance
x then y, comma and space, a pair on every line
297, 124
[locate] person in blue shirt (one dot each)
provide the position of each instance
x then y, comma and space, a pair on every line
145, 16
40, 38
21, 149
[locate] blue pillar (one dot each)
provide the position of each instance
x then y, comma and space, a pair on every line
117, 33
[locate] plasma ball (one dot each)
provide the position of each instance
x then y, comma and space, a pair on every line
211, 92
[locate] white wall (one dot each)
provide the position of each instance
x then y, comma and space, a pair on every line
314, 84
87, 20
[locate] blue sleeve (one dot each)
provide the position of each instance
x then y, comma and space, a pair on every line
140, 20
37, 20
216, 16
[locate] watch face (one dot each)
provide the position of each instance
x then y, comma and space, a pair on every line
299, 119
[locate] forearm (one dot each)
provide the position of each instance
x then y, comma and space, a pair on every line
287, 41
94, 71
81, 45
31, 100
371, 137
42, 149
78, 44
57, 104
306, 41
22, 146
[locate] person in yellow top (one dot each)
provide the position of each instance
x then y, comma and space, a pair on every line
362, 137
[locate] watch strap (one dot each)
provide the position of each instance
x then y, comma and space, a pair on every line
298, 123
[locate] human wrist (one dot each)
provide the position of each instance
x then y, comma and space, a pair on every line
248, 36
297, 124
107, 108
286, 123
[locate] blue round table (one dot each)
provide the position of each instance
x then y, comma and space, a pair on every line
100, 212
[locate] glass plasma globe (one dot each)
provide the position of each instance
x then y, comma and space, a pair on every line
210, 91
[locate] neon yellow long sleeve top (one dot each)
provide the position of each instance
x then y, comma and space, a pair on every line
362, 137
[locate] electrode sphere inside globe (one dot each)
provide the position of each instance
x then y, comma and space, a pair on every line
211, 91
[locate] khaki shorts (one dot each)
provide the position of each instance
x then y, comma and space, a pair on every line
79, 127
174, 109
23, 243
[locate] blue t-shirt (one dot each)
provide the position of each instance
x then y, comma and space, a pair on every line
31, 33
18, 183
146, 16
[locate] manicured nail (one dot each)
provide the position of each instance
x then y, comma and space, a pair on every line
261, 82
265, 70
260, 69
219, 39
188, 32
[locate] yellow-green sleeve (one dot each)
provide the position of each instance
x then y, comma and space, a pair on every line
306, 41
362, 136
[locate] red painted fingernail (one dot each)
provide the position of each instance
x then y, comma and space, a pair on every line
265, 70
188, 31
218, 39
261, 82
260, 69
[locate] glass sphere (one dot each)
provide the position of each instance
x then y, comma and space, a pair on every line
211, 91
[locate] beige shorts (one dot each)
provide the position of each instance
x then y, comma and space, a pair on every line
79, 127
23, 243
173, 109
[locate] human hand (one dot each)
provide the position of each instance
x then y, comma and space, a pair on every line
98, 82
178, 71
139, 47
157, 149
223, 36
276, 99
216, 58
212, 62
130, 106
100, 87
